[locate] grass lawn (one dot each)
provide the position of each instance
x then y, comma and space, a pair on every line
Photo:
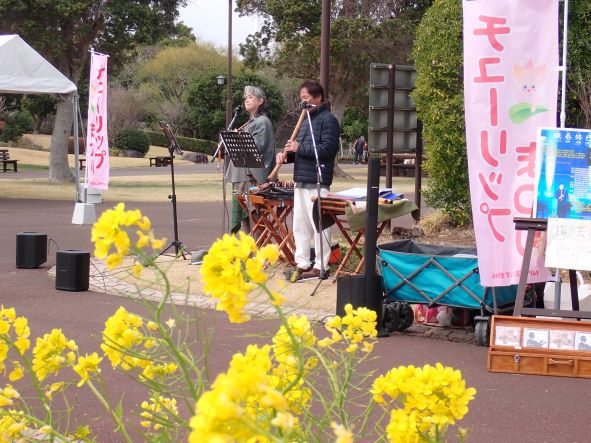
154, 188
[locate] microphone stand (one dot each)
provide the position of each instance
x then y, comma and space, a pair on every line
323, 274
224, 184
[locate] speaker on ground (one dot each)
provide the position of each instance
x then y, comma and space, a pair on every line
72, 270
31, 249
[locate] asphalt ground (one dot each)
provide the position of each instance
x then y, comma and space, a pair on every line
507, 408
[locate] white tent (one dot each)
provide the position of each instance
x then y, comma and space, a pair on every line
24, 71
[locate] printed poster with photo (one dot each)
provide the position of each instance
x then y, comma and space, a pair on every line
507, 336
563, 172
535, 338
583, 341
560, 339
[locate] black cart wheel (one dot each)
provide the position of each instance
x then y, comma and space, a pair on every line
405, 316
390, 317
482, 330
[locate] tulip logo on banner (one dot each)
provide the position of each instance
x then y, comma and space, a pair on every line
97, 142
510, 87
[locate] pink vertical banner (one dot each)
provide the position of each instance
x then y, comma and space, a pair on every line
97, 142
510, 89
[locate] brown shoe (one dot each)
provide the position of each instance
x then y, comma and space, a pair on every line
296, 274
311, 274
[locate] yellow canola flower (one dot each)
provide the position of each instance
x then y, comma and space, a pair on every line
342, 434
137, 269
110, 231
10, 427
231, 269
241, 401
121, 335
356, 326
86, 366
17, 373
7, 395
51, 353
433, 398
157, 409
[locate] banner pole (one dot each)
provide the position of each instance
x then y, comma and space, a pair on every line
563, 65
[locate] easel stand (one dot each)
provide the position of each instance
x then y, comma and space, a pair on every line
173, 147
532, 225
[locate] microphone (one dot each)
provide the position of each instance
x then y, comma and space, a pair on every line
238, 109
305, 105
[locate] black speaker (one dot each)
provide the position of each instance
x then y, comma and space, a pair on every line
31, 249
72, 270
351, 289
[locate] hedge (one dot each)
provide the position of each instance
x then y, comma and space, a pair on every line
439, 97
186, 143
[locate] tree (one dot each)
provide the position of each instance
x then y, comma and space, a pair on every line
169, 73
439, 97
64, 30
206, 101
362, 31
40, 107
579, 66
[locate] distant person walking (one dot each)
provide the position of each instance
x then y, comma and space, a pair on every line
359, 147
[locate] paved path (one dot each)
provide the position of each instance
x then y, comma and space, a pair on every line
508, 408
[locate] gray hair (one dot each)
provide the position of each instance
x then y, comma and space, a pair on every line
256, 91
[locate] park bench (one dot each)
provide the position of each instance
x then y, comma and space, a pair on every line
403, 163
159, 161
7, 161
201, 158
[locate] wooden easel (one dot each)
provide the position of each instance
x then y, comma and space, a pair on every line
532, 225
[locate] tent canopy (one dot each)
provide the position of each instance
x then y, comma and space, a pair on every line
24, 71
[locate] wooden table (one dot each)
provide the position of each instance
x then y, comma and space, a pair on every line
337, 211
269, 224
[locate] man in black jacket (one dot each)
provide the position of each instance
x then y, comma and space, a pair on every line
326, 132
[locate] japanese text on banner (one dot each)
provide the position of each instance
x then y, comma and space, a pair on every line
510, 87
97, 150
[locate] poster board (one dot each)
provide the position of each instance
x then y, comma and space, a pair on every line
563, 174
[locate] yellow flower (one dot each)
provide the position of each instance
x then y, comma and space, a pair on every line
51, 353
342, 434
87, 366
229, 270
278, 299
157, 410
171, 323
284, 420
121, 338
152, 326
7, 395
17, 373
137, 269
113, 260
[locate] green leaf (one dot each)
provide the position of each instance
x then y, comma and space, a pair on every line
520, 112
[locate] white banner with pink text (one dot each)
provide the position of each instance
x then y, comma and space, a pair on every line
97, 141
510, 89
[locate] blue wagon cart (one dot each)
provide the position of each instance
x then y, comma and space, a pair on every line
438, 275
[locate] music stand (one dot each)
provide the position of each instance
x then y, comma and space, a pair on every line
173, 148
242, 149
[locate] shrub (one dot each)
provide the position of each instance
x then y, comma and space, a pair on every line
186, 143
439, 99
132, 139
15, 124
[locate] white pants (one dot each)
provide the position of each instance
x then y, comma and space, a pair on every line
304, 231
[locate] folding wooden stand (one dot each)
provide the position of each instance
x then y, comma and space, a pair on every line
541, 346
531, 225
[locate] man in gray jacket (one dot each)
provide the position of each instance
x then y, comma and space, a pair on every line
261, 129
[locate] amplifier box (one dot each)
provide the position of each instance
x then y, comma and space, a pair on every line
72, 270
31, 249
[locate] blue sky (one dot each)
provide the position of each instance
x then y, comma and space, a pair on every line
209, 20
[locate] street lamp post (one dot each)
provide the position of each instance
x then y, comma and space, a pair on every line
229, 97
221, 80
